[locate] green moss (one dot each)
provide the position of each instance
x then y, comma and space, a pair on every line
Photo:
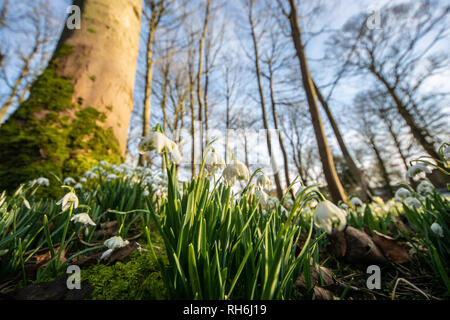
138, 278
38, 140
91, 30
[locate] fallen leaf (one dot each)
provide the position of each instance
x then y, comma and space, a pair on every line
391, 247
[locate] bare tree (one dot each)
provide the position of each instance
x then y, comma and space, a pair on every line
394, 56
334, 185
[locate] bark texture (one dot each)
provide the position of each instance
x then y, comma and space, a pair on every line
79, 108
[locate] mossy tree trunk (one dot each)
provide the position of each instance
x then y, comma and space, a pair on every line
79, 108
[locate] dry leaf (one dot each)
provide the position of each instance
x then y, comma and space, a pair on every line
391, 247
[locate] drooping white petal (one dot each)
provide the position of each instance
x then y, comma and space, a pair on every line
326, 213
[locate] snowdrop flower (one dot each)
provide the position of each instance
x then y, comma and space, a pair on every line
344, 206
447, 153
156, 141
425, 187
68, 200
111, 176
42, 181
235, 169
213, 162
437, 229
69, 181
402, 194
326, 213
356, 202
83, 180
263, 181
417, 171
412, 202
113, 243
78, 186
146, 193
83, 218
104, 163
91, 175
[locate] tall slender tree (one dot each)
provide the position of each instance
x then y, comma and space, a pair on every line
334, 185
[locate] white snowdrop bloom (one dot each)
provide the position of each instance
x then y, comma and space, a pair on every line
356, 202
43, 181
103, 163
83, 180
156, 141
111, 176
68, 200
313, 203
78, 186
344, 206
91, 175
69, 181
412, 202
176, 155
115, 242
235, 169
83, 218
326, 214
146, 193
401, 194
213, 162
437, 229
417, 171
425, 187
263, 181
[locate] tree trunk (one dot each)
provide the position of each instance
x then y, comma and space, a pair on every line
147, 91
199, 73
262, 102
79, 108
280, 138
334, 184
382, 166
365, 190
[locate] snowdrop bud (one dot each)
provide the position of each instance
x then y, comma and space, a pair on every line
326, 213
402, 194
418, 171
83, 180
78, 186
91, 175
83, 218
263, 181
356, 202
437, 229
